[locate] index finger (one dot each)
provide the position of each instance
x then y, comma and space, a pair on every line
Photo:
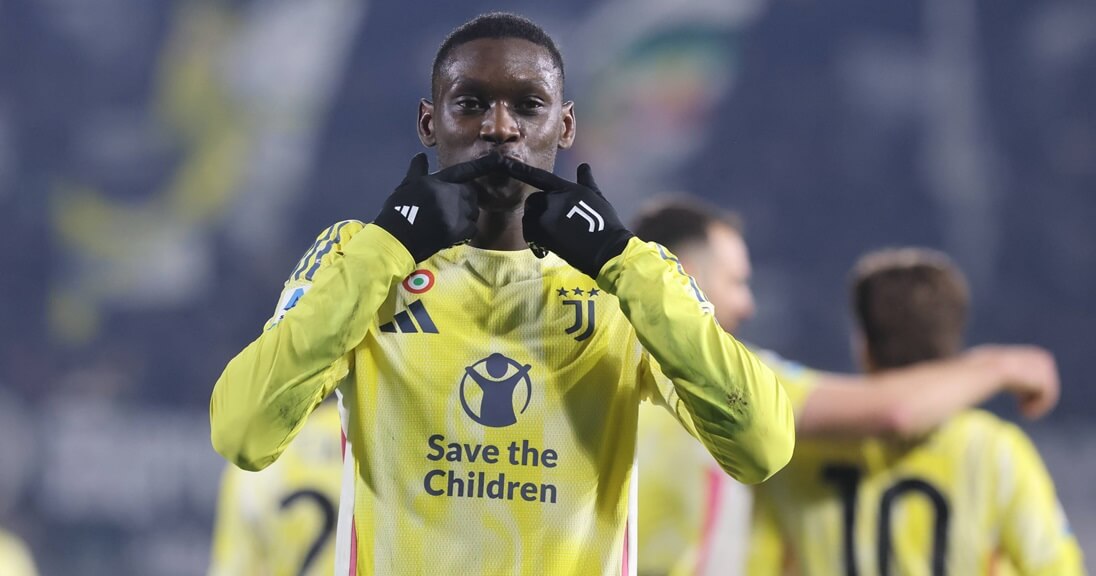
1035, 405
467, 171
541, 179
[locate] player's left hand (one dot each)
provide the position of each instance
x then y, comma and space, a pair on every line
572, 219
1029, 372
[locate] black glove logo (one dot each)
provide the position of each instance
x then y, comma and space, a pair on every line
408, 212
446, 201
559, 199
583, 209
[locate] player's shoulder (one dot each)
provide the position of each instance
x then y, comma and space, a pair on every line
993, 445
327, 243
664, 252
976, 421
983, 431
341, 231
15, 556
335, 235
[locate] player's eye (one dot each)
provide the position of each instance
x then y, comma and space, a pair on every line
469, 104
530, 105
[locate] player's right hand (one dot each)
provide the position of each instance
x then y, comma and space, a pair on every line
1028, 372
431, 212
572, 219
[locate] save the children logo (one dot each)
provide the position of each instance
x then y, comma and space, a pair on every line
495, 390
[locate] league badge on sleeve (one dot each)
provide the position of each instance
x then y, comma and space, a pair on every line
289, 299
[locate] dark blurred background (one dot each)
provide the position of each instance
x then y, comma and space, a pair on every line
163, 164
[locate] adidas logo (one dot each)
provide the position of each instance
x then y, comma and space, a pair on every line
402, 322
583, 209
408, 212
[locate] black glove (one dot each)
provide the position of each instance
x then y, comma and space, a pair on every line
430, 212
571, 219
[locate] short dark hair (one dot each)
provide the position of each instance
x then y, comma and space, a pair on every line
911, 305
493, 25
681, 221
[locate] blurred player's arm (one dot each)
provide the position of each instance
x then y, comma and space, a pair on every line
721, 391
910, 401
237, 549
15, 558
726, 397
266, 392
1035, 534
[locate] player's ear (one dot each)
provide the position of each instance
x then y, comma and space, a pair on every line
567, 129
861, 354
426, 123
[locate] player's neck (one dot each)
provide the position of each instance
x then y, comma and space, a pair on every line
499, 231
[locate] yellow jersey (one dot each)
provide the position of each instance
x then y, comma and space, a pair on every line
15, 558
281, 521
951, 503
695, 520
490, 399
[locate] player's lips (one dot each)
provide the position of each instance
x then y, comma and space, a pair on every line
499, 177
504, 154
497, 184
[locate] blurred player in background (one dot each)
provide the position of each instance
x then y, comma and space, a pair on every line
15, 558
697, 519
490, 393
281, 521
945, 502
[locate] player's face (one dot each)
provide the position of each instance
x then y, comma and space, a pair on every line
723, 273
503, 95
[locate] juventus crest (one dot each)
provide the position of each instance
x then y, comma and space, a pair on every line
584, 304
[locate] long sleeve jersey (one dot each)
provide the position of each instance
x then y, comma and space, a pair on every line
15, 558
973, 497
696, 519
281, 521
490, 399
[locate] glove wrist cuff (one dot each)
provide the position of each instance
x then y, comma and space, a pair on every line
613, 247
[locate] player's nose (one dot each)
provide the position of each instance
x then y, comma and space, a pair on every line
499, 125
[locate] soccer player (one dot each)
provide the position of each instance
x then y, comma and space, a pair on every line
489, 392
946, 502
697, 519
281, 521
15, 559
